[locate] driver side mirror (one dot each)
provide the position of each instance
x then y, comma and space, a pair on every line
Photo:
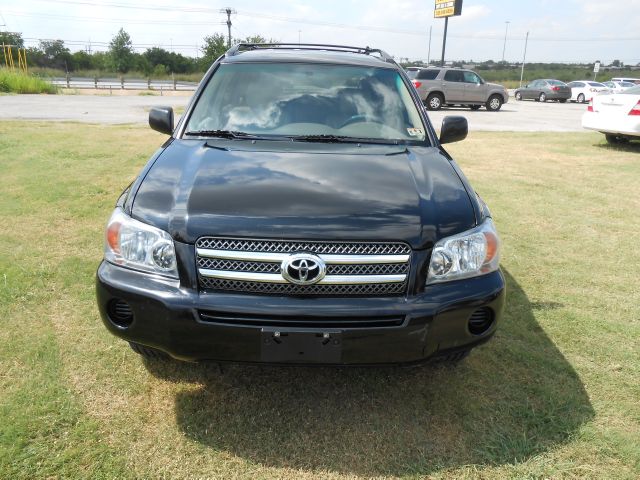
161, 119
453, 129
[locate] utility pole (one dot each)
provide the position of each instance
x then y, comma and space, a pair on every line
524, 58
504, 47
429, 54
444, 39
229, 11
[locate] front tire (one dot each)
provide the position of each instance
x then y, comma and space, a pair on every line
581, 98
563, 100
542, 97
518, 96
494, 103
452, 358
435, 101
615, 139
148, 352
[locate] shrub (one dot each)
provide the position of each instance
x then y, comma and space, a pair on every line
19, 82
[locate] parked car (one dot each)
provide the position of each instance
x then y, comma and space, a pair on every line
303, 211
412, 72
583, 90
635, 81
617, 87
439, 86
543, 90
617, 115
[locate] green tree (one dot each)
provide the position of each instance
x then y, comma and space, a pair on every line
121, 54
214, 46
11, 38
81, 60
55, 54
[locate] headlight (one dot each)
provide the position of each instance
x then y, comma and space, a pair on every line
465, 255
139, 246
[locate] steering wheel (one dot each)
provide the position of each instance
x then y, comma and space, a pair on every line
358, 119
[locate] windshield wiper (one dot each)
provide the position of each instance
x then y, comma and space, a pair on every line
341, 139
220, 134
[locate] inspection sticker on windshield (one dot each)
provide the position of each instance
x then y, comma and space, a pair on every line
415, 132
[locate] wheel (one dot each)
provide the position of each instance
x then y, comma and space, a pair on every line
148, 352
615, 139
581, 98
563, 100
435, 101
542, 97
452, 357
475, 107
518, 96
494, 103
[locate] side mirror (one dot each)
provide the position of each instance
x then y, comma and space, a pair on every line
453, 129
161, 119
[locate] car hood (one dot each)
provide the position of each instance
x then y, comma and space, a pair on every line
294, 190
496, 85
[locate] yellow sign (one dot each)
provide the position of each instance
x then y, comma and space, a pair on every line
447, 8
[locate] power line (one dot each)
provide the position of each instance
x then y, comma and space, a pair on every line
123, 21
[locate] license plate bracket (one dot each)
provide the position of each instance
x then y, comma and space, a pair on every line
301, 346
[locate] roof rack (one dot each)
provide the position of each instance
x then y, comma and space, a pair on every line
240, 47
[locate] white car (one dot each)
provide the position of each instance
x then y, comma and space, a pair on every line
617, 87
584, 90
617, 115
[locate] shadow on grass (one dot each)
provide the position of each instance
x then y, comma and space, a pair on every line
631, 146
510, 400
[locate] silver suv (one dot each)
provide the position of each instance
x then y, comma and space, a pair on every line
456, 86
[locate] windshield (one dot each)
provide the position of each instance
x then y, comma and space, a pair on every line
632, 91
556, 82
297, 100
412, 74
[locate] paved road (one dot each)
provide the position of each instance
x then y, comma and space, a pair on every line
514, 116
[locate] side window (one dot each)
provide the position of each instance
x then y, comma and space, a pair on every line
470, 77
429, 74
577, 84
454, 76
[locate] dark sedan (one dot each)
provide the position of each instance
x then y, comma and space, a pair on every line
543, 90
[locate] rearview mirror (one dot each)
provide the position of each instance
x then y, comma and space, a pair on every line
161, 119
453, 129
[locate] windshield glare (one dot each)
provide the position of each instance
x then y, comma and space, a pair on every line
308, 99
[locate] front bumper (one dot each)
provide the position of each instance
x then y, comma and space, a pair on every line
168, 317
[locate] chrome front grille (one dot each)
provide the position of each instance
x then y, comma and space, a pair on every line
254, 266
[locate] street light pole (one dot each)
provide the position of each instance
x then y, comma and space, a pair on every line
524, 58
429, 54
444, 39
504, 47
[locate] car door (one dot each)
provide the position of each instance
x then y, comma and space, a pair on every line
537, 88
453, 86
475, 89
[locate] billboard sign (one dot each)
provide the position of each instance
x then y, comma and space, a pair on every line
447, 8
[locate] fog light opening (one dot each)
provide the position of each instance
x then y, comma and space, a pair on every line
481, 321
120, 313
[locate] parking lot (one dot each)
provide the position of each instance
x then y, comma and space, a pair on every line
515, 116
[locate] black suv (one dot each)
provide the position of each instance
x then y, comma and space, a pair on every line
303, 211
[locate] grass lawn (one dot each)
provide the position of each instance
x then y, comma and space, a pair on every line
554, 395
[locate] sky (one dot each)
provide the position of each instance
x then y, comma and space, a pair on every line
559, 31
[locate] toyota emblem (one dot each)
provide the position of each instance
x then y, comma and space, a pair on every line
303, 269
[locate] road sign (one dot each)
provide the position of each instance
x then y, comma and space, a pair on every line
596, 67
447, 8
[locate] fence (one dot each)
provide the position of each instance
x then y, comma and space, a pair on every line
123, 84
